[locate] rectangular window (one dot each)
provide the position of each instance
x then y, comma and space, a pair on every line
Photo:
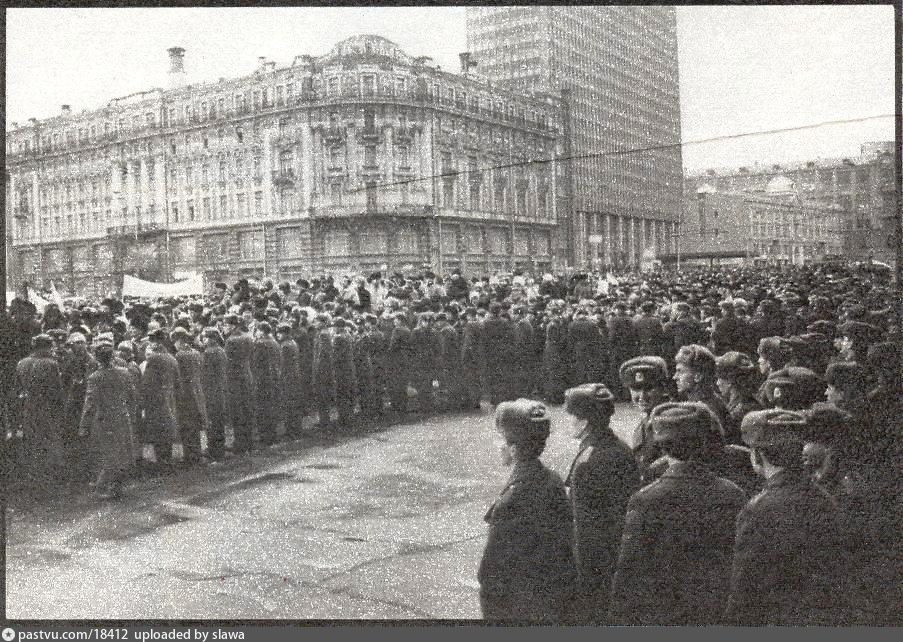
373, 242
448, 193
280, 95
407, 242
206, 210
182, 250
250, 244
289, 242
174, 212
216, 248
336, 243
404, 156
332, 86
258, 204
370, 156
335, 193
371, 197
241, 205
190, 209
498, 241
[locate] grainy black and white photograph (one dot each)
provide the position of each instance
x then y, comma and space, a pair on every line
569, 315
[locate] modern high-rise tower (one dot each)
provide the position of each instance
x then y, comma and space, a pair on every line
617, 68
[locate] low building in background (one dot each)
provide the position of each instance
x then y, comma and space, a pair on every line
362, 158
795, 213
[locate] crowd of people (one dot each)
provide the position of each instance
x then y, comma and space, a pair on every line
762, 489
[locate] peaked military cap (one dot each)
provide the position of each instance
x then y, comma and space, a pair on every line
773, 428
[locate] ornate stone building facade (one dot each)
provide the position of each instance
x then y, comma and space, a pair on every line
362, 158
618, 69
857, 193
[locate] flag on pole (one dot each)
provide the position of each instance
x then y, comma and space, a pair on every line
55, 295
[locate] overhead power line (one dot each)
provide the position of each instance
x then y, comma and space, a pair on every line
633, 150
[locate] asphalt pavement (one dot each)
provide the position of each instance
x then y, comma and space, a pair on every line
363, 524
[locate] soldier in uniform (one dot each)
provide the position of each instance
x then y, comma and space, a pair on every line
649, 331
792, 388
107, 418
398, 363
77, 365
602, 478
498, 339
125, 358
737, 382
40, 396
587, 349
449, 359
694, 374
240, 382
191, 406
303, 334
323, 379
675, 556
622, 338
788, 556
471, 361
527, 571
555, 356
345, 377
158, 397
424, 347
730, 332
215, 375
682, 330
266, 368
647, 380
290, 382
523, 353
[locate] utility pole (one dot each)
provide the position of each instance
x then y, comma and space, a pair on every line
511, 204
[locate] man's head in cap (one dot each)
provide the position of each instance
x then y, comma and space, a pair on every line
180, 337
847, 385
793, 388
647, 379
42, 342
525, 426
685, 431
592, 406
735, 371
78, 343
212, 335
776, 438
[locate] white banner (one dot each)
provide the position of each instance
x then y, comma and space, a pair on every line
133, 286
39, 302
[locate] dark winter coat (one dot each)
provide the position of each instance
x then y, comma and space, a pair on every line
527, 571
788, 565
603, 476
675, 558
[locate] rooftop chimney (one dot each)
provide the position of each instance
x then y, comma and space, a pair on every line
176, 66
466, 62
176, 60
66, 110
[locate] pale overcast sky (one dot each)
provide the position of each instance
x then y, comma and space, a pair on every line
743, 69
